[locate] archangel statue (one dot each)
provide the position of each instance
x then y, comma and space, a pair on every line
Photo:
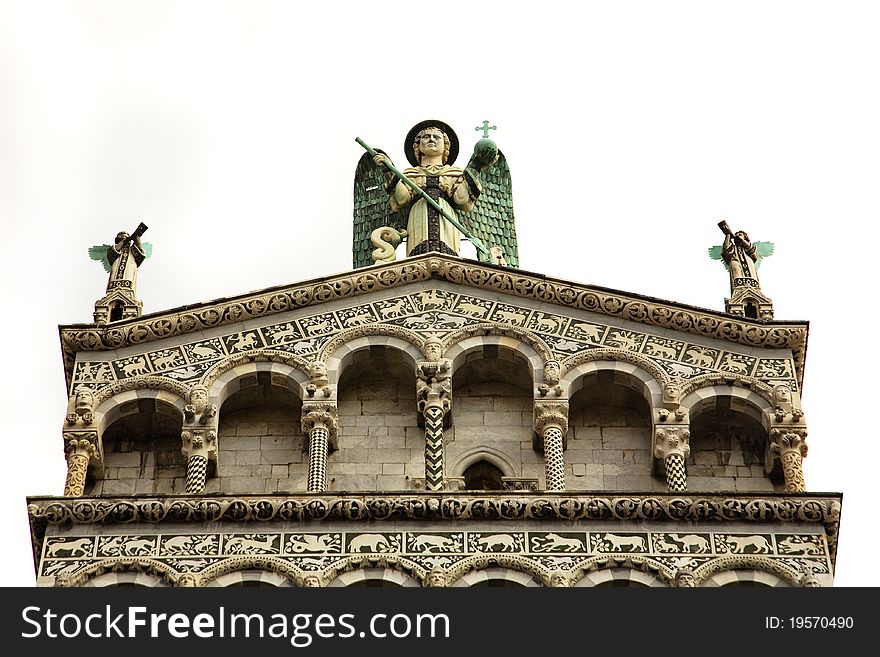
433, 204
121, 260
741, 258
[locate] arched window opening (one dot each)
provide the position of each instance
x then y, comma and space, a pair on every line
483, 475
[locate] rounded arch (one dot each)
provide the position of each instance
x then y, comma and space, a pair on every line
226, 378
520, 342
233, 570
642, 376
115, 571
618, 577
342, 353
482, 453
250, 577
503, 576
526, 569
742, 400
113, 407
366, 576
751, 569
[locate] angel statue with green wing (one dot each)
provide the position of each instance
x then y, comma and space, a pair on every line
433, 204
121, 260
741, 258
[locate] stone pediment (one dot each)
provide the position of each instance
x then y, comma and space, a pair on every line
441, 295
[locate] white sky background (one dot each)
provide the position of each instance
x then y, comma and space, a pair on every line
631, 129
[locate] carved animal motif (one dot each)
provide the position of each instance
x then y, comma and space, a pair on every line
128, 546
185, 373
681, 370
138, 366
303, 346
567, 345
511, 317
287, 332
740, 543
591, 331
662, 545
445, 318
166, 360
429, 543
616, 542
75, 548
321, 326
792, 546
503, 542
547, 324
418, 319
241, 342
238, 544
180, 544
628, 342
373, 543
691, 542
661, 350
204, 351
699, 358
392, 310
729, 363
310, 543
556, 543
470, 308
430, 299
357, 320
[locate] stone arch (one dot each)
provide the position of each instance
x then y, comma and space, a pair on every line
286, 370
459, 574
484, 453
632, 370
507, 575
113, 404
386, 567
251, 576
743, 400
522, 343
337, 354
269, 569
115, 571
746, 568
613, 576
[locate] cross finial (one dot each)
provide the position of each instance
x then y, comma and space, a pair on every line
485, 128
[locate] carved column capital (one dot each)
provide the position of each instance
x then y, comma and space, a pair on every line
784, 440
434, 384
550, 414
199, 442
320, 415
672, 440
83, 442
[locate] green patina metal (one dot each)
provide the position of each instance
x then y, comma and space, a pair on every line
485, 128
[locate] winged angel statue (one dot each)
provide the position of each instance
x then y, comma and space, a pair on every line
122, 258
432, 203
740, 256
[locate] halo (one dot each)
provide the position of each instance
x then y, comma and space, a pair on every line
411, 136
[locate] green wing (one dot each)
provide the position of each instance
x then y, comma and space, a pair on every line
763, 250
491, 218
371, 209
715, 254
148, 249
99, 253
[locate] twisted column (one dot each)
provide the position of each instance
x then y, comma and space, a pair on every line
671, 445
320, 424
434, 398
81, 448
551, 423
791, 446
198, 446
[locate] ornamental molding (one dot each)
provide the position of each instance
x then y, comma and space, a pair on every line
483, 329
748, 562
115, 565
141, 383
821, 509
262, 356
514, 283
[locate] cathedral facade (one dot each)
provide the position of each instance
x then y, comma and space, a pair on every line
436, 421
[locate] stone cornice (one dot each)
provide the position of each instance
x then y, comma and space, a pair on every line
812, 508
513, 282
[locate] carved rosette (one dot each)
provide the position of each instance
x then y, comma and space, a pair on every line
81, 449
551, 423
791, 446
320, 422
672, 446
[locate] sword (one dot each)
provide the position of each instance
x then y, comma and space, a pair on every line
455, 222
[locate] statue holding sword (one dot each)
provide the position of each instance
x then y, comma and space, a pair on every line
433, 203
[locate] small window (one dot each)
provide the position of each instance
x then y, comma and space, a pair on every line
482, 475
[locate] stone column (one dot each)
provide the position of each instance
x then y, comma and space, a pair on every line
791, 445
81, 449
434, 397
551, 424
320, 423
671, 445
198, 446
